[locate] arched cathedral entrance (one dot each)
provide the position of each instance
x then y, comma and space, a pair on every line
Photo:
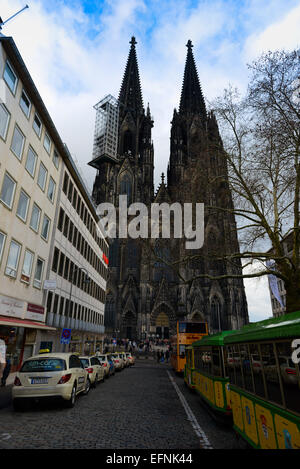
162, 325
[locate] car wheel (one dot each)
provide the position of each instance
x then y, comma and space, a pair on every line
71, 402
95, 382
87, 387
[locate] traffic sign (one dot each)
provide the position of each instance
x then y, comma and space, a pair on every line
65, 336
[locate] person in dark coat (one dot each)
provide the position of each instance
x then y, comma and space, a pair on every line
6, 372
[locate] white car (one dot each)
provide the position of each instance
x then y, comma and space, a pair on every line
118, 361
50, 375
94, 369
107, 364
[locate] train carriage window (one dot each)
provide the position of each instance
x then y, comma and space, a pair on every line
237, 362
197, 358
246, 367
229, 364
216, 361
256, 362
289, 376
271, 373
206, 360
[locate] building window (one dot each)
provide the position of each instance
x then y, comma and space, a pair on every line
51, 189
4, 121
47, 143
17, 143
25, 104
31, 161
60, 219
37, 282
13, 259
42, 177
65, 183
55, 259
10, 77
23, 204
45, 228
37, 125
27, 266
8, 191
2, 242
55, 159
61, 264
35, 218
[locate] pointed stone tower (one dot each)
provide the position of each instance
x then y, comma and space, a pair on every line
129, 173
197, 172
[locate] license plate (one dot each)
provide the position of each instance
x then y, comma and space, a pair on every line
39, 380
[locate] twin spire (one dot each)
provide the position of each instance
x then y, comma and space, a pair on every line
130, 94
191, 101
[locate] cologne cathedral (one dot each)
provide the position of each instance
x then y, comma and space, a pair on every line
146, 294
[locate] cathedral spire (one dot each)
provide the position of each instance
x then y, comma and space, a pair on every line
130, 94
191, 100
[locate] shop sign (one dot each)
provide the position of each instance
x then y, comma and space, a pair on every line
50, 285
75, 338
35, 312
11, 307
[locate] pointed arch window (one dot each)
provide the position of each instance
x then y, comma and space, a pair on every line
128, 142
160, 268
216, 322
126, 187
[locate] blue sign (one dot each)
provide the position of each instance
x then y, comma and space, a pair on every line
65, 336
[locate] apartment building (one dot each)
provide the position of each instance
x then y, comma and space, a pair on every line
34, 165
78, 269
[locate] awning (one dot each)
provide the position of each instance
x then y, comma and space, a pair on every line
8, 321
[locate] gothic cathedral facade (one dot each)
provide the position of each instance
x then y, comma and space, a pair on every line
145, 296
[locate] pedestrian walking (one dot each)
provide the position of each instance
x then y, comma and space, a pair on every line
167, 355
6, 372
158, 356
2, 356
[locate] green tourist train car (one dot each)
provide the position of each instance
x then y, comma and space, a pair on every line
261, 364
205, 371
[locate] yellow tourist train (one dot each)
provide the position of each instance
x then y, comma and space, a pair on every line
253, 375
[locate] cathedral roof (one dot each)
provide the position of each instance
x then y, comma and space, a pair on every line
130, 94
191, 100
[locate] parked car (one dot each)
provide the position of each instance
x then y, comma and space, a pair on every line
107, 364
118, 361
50, 375
131, 358
94, 368
125, 359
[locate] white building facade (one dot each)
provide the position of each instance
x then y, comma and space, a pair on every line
34, 163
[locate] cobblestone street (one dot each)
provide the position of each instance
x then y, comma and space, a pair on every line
137, 408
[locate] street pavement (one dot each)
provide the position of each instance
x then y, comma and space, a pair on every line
138, 408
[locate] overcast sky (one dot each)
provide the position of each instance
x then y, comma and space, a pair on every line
76, 52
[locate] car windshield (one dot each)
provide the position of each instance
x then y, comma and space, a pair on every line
85, 362
101, 357
44, 364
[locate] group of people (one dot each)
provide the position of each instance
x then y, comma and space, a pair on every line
163, 356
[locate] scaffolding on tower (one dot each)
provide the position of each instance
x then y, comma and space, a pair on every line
106, 131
